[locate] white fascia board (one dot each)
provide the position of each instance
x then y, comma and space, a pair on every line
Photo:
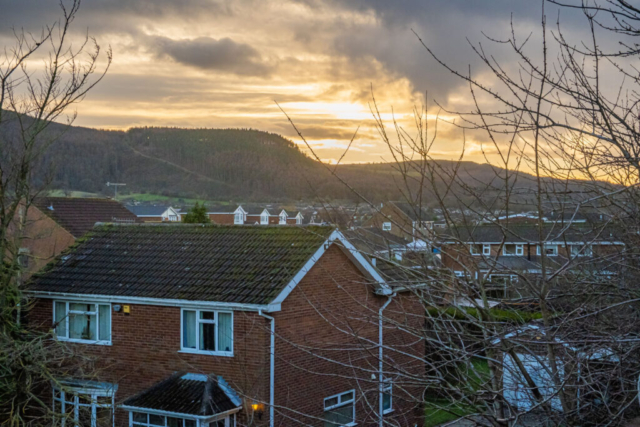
265, 211
240, 210
122, 299
335, 236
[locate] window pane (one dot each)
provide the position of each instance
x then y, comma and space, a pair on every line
208, 336
189, 423
105, 322
84, 416
386, 401
174, 422
225, 332
139, 417
60, 319
207, 315
189, 329
338, 416
75, 306
156, 420
346, 396
104, 417
330, 402
82, 326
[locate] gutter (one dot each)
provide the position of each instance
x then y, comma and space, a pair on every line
380, 364
272, 363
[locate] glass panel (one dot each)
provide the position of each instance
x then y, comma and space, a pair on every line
207, 315
75, 306
60, 319
84, 416
139, 417
346, 396
104, 318
174, 422
386, 401
225, 332
189, 423
104, 417
219, 423
338, 416
208, 336
82, 326
156, 420
330, 402
189, 329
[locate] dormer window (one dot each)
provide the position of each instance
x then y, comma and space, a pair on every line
238, 218
512, 250
299, 219
283, 217
264, 218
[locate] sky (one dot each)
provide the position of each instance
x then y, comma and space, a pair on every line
229, 63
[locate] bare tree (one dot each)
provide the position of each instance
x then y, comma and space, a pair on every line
31, 101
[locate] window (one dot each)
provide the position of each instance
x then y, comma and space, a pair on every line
24, 254
386, 226
173, 218
549, 250
580, 250
387, 398
74, 407
486, 250
209, 332
299, 219
511, 249
475, 249
283, 218
82, 322
238, 218
264, 218
340, 410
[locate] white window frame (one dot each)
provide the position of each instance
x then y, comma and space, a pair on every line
386, 226
583, 250
548, 246
197, 350
264, 218
230, 420
238, 218
299, 219
283, 218
98, 341
342, 403
486, 250
387, 388
93, 394
519, 249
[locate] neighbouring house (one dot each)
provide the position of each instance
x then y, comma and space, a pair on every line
150, 213
217, 325
402, 219
503, 255
54, 223
253, 215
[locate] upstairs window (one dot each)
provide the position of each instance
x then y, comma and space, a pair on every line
82, 322
340, 410
549, 250
299, 219
208, 332
486, 250
264, 218
387, 397
238, 218
386, 226
513, 250
581, 250
475, 249
283, 218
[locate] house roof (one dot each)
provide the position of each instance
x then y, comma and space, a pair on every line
373, 239
191, 394
79, 215
414, 212
231, 264
530, 233
148, 210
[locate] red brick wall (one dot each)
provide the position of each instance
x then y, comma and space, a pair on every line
222, 218
334, 296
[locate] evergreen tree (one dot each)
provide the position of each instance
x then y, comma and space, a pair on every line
197, 215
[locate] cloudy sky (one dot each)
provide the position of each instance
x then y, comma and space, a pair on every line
225, 63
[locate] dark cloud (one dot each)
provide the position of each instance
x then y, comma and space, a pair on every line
210, 54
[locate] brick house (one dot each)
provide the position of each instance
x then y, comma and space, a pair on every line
403, 220
149, 213
54, 223
503, 254
230, 325
253, 215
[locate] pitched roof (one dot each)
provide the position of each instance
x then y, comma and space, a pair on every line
191, 394
414, 212
530, 233
235, 264
148, 210
79, 215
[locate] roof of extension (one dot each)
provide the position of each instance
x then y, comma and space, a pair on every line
233, 264
190, 394
79, 215
529, 233
148, 210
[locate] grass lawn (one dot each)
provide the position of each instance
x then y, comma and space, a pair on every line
440, 411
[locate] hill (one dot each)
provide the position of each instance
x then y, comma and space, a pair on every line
216, 164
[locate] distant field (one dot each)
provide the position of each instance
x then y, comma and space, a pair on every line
141, 197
